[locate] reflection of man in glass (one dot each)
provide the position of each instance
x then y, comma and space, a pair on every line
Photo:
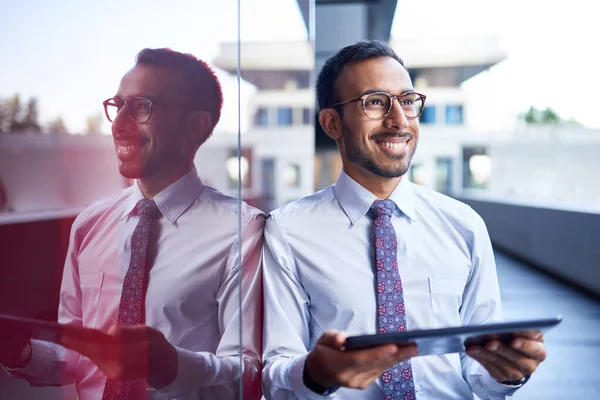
376, 253
157, 267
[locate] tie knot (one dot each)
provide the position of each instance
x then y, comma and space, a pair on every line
147, 208
380, 208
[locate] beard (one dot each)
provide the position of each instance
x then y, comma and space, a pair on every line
359, 155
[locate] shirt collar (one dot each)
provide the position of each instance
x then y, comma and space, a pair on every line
356, 200
173, 200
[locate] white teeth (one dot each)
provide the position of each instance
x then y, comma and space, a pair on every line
393, 145
128, 147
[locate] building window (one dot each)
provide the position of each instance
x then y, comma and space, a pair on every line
454, 114
428, 115
291, 175
443, 174
302, 79
284, 116
418, 175
261, 118
239, 166
307, 116
477, 168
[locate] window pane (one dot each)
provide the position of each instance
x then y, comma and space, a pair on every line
443, 175
284, 116
428, 115
261, 118
454, 114
307, 117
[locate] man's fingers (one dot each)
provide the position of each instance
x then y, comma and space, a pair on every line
128, 334
359, 368
382, 357
406, 352
332, 338
523, 362
77, 345
533, 335
499, 367
496, 372
371, 363
534, 349
364, 379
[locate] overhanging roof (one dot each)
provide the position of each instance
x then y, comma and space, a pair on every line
449, 51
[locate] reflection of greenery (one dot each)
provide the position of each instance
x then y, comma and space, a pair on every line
94, 123
16, 118
13, 118
58, 126
546, 116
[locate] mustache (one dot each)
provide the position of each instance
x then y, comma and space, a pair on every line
388, 135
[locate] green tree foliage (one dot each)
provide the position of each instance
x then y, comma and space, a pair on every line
94, 123
57, 127
15, 118
547, 117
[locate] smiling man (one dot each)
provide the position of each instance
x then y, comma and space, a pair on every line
376, 253
157, 267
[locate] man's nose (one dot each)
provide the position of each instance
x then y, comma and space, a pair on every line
396, 118
122, 122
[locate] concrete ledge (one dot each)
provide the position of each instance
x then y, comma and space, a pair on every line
564, 243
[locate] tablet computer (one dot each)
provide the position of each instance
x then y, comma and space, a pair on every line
52, 331
455, 339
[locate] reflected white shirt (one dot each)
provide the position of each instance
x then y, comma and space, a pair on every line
319, 274
192, 295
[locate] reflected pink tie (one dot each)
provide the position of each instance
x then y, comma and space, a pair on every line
132, 305
397, 381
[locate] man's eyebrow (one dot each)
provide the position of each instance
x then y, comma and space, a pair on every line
374, 91
370, 91
146, 96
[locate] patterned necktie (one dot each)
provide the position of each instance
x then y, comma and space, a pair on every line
397, 381
132, 307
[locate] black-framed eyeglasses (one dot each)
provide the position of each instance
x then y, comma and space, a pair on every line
378, 105
138, 108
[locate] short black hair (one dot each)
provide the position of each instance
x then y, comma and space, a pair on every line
205, 90
361, 51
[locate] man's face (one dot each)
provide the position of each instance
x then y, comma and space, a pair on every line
160, 145
382, 147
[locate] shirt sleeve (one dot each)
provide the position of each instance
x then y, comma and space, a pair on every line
217, 376
482, 304
286, 320
52, 364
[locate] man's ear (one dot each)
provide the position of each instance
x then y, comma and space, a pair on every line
201, 126
331, 123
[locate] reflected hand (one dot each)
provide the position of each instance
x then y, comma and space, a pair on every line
513, 361
15, 347
328, 365
130, 352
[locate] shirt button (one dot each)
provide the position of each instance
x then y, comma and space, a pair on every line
417, 388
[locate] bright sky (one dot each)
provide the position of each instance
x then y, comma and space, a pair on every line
71, 54
551, 44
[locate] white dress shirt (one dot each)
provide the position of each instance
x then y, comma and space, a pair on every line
319, 274
192, 295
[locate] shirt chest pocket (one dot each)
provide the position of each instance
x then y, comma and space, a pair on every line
91, 285
446, 299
